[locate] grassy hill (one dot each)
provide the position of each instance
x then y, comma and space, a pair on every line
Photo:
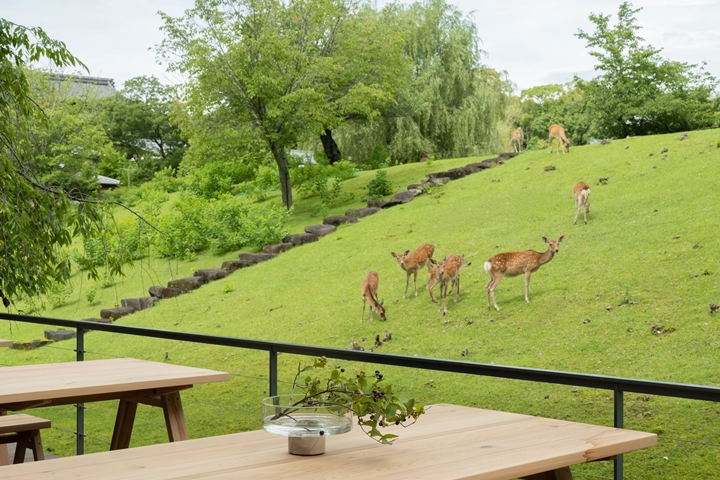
626, 295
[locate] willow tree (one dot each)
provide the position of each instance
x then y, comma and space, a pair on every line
290, 70
449, 104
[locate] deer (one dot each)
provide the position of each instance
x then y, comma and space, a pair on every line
511, 264
448, 273
369, 294
516, 139
581, 191
432, 281
413, 262
558, 132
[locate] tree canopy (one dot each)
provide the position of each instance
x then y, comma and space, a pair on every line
37, 219
638, 92
289, 70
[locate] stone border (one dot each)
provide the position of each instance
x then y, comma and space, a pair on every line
312, 232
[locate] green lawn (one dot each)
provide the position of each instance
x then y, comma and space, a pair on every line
646, 262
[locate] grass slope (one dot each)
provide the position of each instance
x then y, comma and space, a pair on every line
646, 262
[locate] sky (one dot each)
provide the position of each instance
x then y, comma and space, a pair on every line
532, 41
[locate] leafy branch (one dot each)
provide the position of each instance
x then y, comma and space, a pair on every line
372, 401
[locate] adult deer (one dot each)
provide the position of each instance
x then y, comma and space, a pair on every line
581, 191
413, 262
369, 293
511, 264
448, 272
516, 139
558, 132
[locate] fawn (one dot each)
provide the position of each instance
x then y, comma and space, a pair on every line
511, 264
448, 273
581, 191
369, 294
413, 262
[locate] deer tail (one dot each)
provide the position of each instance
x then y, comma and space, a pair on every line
487, 266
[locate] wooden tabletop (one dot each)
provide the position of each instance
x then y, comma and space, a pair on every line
5, 343
448, 442
61, 383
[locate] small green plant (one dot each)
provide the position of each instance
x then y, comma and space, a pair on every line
227, 288
90, 294
430, 161
370, 398
379, 186
549, 168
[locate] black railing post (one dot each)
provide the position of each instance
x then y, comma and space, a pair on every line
80, 407
619, 423
273, 372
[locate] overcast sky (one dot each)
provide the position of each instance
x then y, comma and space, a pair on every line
533, 41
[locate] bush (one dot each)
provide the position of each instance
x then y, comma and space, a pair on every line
166, 181
323, 180
380, 185
219, 178
379, 158
221, 225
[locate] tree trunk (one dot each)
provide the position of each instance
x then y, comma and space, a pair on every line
331, 149
285, 187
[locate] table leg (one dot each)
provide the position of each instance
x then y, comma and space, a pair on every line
558, 474
123, 424
4, 456
174, 417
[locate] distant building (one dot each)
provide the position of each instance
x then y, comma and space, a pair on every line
107, 182
78, 85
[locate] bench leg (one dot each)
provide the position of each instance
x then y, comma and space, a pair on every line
37, 447
174, 417
123, 425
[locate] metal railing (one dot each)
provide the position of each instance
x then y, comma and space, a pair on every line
618, 385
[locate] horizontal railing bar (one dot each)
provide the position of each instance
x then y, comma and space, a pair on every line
651, 387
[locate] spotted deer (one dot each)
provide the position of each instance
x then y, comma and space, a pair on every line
511, 264
581, 191
558, 132
369, 294
413, 262
448, 273
432, 281
516, 139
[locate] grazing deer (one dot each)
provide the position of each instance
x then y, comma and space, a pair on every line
369, 294
581, 191
448, 272
558, 132
511, 264
516, 139
413, 262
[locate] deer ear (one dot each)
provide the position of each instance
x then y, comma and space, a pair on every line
383, 301
406, 252
433, 261
393, 254
561, 239
545, 240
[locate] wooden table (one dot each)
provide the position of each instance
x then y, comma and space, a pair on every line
129, 380
447, 442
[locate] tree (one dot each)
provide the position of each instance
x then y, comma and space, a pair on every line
37, 220
449, 104
638, 92
277, 66
138, 122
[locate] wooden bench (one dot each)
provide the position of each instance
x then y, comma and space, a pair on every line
25, 431
5, 343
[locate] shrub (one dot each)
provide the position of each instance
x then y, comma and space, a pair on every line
165, 180
222, 225
379, 158
218, 178
380, 185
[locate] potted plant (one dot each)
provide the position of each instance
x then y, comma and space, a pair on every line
320, 406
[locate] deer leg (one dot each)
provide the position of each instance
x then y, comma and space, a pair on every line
407, 284
527, 286
362, 317
415, 281
491, 292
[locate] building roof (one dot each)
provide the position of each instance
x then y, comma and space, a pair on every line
81, 85
107, 181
